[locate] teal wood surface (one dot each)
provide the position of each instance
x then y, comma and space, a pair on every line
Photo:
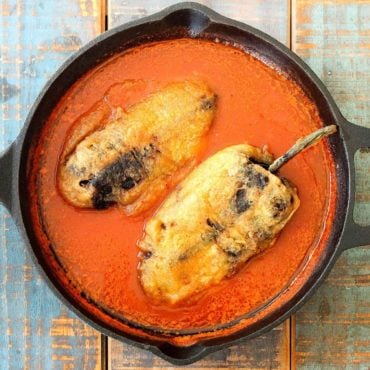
36, 330
333, 328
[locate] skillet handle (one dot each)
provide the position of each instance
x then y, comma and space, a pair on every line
6, 176
181, 355
354, 235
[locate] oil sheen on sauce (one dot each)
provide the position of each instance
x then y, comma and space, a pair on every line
256, 105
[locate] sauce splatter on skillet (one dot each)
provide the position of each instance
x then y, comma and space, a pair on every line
256, 105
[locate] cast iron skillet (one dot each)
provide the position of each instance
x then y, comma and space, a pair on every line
194, 21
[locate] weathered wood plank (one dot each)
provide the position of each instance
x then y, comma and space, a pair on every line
271, 16
333, 328
36, 330
271, 351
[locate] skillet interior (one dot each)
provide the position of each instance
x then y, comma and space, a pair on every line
171, 25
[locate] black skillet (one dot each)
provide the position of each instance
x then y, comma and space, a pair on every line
194, 21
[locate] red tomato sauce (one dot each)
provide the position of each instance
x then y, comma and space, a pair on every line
256, 105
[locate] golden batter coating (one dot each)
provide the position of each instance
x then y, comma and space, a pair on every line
129, 159
226, 211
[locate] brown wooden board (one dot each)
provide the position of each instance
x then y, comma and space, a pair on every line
333, 328
36, 330
272, 350
269, 351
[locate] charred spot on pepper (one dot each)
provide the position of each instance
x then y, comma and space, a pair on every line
183, 256
150, 149
259, 163
128, 183
240, 202
190, 252
147, 254
215, 225
232, 252
255, 178
279, 205
261, 235
110, 146
286, 182
208, 236
144, 255
207, 104
76, 170
128, 166
101, 201
84, 183
125, 173
106, 189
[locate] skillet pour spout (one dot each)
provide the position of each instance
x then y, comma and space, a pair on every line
189, 20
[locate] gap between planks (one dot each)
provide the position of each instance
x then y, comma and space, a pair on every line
104, 4
292, 322
103, 338
104, 352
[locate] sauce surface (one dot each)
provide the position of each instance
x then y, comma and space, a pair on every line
256, 105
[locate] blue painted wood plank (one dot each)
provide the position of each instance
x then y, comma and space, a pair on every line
333, 328
270, 16
271, 350
36, 330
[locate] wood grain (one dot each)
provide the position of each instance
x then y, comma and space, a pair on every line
333, 328
36, 330
271, 16
270, 351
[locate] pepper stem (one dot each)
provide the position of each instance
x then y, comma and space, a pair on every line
301, 144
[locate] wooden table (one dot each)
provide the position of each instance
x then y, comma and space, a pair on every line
332, 331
